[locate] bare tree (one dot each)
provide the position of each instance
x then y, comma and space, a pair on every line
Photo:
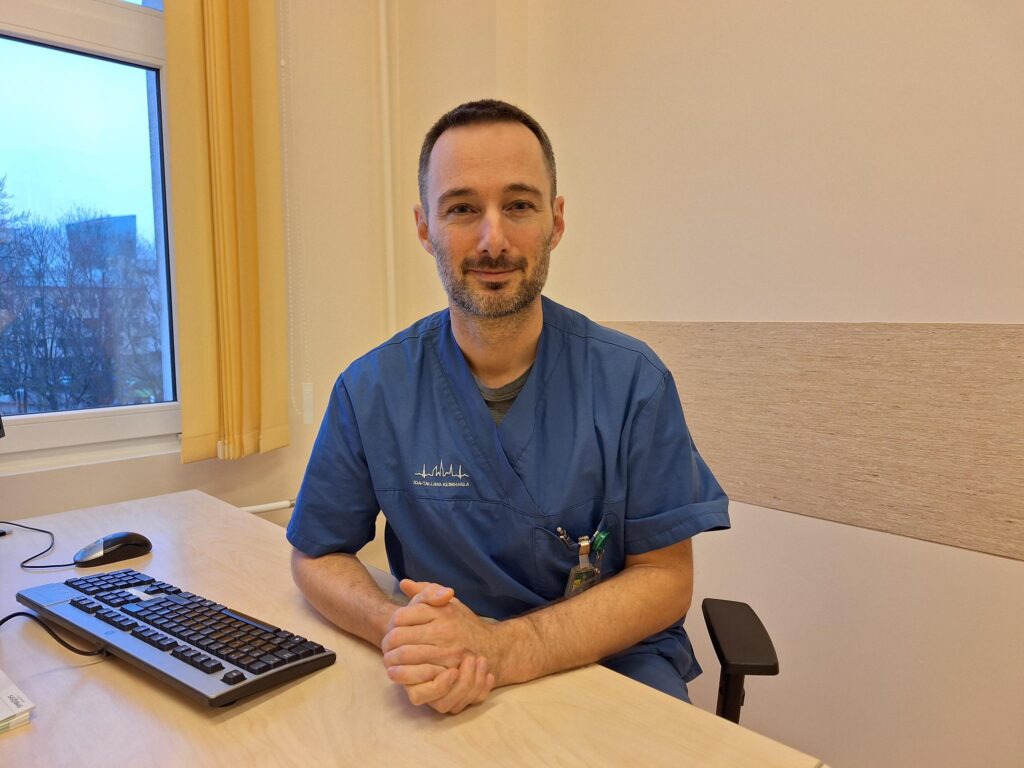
82, 307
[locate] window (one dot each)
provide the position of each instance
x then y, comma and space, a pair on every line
86, 333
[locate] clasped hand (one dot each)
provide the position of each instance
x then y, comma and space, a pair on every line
438, 649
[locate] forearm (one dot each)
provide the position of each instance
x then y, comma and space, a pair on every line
608, 618
344, 592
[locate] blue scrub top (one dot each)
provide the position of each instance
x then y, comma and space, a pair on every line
596, 440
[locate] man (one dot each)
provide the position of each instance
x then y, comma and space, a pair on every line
515, 449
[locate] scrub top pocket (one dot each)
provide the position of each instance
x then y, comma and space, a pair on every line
553, 558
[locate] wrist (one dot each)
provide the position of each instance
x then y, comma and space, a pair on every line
515, 651
381, 621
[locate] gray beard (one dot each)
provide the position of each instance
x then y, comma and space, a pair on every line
492, 304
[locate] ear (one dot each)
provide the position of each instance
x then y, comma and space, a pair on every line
422, 228
558, 215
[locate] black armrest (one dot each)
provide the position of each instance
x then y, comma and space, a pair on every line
743, 648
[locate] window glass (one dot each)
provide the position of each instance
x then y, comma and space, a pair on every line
84, 311
157, 5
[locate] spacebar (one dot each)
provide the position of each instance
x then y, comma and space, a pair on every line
250, 620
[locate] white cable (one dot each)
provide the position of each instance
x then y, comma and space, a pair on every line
297, 331
390, 266
269, 507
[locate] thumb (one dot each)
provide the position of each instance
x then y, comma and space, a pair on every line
427, 591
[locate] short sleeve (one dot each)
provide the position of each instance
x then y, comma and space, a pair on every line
336, 508
671, 493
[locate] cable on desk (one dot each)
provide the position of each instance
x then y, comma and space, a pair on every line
44, 625
38, 554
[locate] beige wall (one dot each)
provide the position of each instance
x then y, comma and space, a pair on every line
722, 161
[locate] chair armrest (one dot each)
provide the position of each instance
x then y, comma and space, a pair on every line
740, 640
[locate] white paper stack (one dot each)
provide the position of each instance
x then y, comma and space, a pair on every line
15, 706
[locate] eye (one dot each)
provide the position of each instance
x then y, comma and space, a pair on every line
460, 209
522, 205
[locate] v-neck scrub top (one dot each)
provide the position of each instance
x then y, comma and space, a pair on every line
596, 440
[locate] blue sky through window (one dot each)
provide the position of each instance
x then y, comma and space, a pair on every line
74, 133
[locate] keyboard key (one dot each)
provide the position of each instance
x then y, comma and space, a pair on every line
258, 667
287, 656
233, 677
166, 644
210, 666
250, 621
271, 660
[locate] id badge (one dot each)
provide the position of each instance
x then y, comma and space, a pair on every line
581, 578
585, 575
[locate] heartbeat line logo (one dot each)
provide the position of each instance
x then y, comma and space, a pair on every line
442, 477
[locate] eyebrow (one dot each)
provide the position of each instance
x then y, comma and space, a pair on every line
468, 191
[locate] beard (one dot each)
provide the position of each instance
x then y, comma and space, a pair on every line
492, 300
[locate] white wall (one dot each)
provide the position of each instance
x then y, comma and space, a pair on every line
785, 161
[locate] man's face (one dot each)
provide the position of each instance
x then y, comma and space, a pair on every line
490, 223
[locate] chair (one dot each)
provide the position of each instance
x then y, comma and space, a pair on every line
743, 648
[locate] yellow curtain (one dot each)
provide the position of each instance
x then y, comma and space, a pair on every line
224, 169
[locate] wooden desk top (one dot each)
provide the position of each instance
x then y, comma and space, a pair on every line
102, 712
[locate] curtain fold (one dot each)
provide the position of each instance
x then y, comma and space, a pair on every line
224, 163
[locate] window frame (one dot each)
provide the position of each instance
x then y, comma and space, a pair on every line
132, 34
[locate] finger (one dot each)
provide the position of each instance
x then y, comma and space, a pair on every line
409, 655
463, 691
478, 691
488, 687
484, 686
398, 637
426, 592
414, 674
413, 614
420, 634
483, 682
411, 588
425, 693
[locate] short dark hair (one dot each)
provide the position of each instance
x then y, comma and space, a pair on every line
479, 112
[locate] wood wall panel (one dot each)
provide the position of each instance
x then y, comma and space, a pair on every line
914, 429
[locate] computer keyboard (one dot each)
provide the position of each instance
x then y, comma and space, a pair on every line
197, 645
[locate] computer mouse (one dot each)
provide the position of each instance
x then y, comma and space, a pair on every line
112, 549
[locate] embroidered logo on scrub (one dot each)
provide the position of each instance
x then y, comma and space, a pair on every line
441, 476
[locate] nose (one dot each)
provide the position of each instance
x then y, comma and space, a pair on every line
493, 241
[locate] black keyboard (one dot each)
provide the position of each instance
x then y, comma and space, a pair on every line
197, 645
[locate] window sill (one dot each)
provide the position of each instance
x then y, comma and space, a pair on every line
26, 462
45, 441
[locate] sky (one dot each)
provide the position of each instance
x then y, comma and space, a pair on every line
74, 132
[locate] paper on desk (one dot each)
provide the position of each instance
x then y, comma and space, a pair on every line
15, 706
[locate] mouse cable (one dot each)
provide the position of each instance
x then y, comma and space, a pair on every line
44, 625
38, 554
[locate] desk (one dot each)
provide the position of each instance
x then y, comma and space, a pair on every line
102, 712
